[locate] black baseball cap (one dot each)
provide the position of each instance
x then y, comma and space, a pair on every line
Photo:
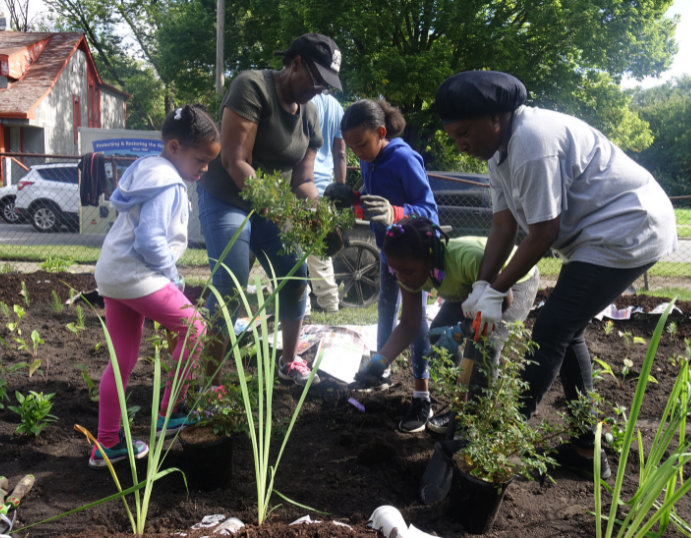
321, 50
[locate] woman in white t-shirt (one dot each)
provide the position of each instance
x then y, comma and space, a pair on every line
571, 190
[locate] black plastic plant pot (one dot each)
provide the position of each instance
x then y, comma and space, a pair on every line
475, 503
208, 466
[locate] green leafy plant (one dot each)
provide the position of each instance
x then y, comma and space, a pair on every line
36, 341
5, 372
14, 326
661, 481
91, 386
221, 408
25, 294
5, 309
57, 264
672, 328
34, 410
500, 443
303, 223
605, 368
615, 437
79, 326
55, 303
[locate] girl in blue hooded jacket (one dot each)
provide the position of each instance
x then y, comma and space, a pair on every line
396, 185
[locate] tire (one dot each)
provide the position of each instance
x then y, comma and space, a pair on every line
356, 267
45, 218
9, 214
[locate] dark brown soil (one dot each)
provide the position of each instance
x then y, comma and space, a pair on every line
338, 460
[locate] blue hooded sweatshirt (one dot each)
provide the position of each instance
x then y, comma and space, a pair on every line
398, 174
150, 234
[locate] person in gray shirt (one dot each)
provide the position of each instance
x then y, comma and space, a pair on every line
572, 190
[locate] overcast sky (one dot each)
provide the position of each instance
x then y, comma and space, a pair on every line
681, 65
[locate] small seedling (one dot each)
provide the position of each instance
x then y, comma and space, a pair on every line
5, 372
609, 327
34, 411
605, 369
4, 309
615, 438
672, 328
93, 389
25, 294
57, 264
76, 328
19, 311
56, 304
131, 412
98, 346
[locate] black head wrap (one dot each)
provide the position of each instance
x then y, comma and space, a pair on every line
473, 94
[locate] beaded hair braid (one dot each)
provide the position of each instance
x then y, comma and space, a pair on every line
419, 237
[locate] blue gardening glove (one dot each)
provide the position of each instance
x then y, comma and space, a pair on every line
450, 338
373, 368
179, 283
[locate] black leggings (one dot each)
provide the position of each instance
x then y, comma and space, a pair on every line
451, 313
583, 290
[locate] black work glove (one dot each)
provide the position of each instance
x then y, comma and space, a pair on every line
342, 196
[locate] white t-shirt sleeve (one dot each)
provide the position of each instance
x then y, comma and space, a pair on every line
537, 186
497, 193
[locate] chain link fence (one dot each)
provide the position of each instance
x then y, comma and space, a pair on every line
43, 223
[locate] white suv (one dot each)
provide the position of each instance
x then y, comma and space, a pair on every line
48, 197
7, 197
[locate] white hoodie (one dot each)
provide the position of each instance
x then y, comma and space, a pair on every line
150, 234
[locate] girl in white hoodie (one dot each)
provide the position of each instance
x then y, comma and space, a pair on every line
136, 271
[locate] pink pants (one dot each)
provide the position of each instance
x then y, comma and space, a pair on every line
125, 323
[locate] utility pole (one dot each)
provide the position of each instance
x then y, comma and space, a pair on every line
220, 24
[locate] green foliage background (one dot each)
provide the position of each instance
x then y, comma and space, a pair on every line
571, 54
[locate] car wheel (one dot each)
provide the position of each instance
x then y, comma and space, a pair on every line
356, 267
45, 218
9, 213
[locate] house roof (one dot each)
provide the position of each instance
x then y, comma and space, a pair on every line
37, 60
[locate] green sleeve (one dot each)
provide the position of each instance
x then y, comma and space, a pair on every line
247, 96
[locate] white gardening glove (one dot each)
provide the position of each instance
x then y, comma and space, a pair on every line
468, 306
489, 309
379, 208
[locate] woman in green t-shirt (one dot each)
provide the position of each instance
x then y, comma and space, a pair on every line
423, 258
268, 123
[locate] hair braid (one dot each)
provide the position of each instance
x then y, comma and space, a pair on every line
418, 237
190, 125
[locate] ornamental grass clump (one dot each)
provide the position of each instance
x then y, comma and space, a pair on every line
500, 443
661, 480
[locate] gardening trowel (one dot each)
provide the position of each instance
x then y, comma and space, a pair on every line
10, 505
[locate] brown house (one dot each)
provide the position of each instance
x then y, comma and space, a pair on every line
49, 86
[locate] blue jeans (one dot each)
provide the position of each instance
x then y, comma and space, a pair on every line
389, 304
220, 220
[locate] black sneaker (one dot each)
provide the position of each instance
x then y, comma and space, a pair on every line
440, 423
417, 416
566, 456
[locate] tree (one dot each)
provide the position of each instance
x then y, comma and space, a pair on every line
570, 54
667, 108
19, 15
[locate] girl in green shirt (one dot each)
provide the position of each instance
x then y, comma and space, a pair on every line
423, 258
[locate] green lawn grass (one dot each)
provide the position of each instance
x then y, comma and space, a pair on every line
193, 257
681, 294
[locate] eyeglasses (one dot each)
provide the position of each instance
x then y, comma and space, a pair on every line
319, 87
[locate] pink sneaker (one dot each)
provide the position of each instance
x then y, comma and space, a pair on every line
297, 371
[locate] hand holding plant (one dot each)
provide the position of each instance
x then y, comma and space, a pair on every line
303, 223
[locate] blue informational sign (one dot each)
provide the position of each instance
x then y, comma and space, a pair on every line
128, 147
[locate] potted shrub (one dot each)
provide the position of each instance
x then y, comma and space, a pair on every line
208, 444
497, 442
